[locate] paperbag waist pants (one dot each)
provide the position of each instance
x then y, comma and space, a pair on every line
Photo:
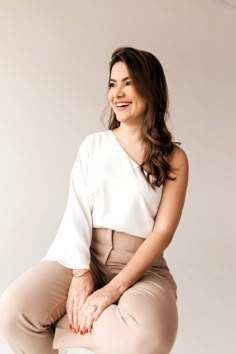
143, 321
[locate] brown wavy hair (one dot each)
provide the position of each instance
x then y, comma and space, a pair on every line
149, 79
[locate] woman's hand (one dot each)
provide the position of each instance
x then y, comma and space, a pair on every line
94, 306
80, 289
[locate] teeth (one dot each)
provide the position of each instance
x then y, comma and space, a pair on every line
122, 104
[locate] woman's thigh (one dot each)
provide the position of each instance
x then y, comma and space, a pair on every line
38, 295
150, 304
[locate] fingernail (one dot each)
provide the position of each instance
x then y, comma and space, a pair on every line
75, 330
81, 332
86, 330
71, 326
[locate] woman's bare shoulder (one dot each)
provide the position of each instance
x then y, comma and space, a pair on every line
178, 159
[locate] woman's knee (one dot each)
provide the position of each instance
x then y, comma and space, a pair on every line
151, 341
17, 308
154, 319
9, 310
36, 298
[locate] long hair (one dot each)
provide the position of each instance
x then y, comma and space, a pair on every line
149, 79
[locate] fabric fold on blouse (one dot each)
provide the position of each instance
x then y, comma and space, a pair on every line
72, 241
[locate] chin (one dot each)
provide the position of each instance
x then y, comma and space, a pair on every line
124, 118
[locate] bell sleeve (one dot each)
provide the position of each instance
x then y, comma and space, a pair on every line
71, 245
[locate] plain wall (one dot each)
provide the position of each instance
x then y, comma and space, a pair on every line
54, 59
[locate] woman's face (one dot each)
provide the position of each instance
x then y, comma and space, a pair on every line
125, 100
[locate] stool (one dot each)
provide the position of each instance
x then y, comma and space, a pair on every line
75, 351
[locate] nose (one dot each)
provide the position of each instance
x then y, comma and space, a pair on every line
118, 91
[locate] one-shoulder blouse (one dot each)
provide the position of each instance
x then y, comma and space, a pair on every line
107, 189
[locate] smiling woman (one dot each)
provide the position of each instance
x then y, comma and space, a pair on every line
104, 277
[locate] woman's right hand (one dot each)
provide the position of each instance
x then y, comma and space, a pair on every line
80, 289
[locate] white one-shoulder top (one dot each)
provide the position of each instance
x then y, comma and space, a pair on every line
107, 189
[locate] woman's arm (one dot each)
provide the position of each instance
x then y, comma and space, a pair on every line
166, 222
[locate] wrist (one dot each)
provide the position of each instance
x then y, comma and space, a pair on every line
117, 286
80, 272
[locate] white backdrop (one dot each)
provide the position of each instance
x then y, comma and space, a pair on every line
54, 59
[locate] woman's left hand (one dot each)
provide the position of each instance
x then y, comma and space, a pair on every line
94, 306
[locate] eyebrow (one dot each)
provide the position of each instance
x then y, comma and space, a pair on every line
125, 78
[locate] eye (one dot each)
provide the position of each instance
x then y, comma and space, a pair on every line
111, 84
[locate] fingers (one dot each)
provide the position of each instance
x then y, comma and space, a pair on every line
69, 310
73, 307
82, 316
80, 307
77, 313
90, 319
75, 318
89, 314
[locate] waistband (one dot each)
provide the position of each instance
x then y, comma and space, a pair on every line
117, 238
104, 240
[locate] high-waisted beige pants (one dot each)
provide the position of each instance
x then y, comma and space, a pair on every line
143, 321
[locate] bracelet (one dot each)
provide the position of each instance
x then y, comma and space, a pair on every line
77, 275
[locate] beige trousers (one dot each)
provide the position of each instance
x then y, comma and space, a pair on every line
143, 321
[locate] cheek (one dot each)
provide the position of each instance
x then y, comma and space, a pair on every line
142, 106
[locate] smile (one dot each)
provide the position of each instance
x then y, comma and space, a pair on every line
121, 106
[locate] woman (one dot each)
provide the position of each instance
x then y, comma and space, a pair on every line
104, 283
